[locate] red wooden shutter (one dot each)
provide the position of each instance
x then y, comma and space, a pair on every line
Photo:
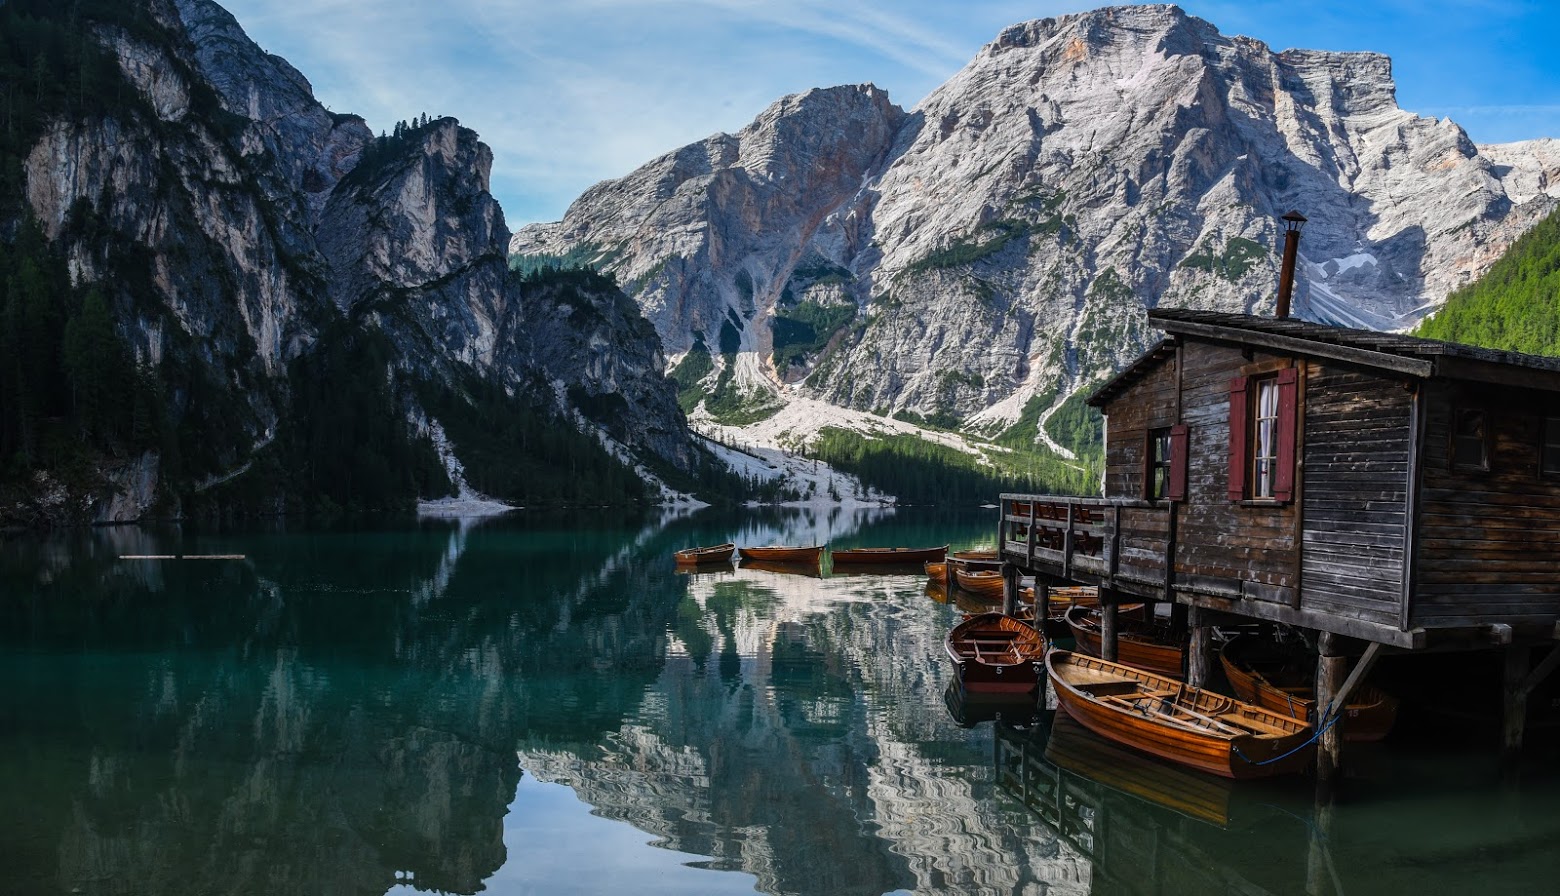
1238, 438
1178, 446
1147, 491
1288, 394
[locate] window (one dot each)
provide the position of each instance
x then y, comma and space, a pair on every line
1549, 451
1164, 464
1157, 481
1470, 438
1264, 443
1263, 414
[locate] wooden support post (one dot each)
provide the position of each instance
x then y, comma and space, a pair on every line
1515, 693
1009, 589
1331, 666
1042, 607
1199, 651
1107, 624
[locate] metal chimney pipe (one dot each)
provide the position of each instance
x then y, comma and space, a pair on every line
1286, 273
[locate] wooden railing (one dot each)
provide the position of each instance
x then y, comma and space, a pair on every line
1103, 540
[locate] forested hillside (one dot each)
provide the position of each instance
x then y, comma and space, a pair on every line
1516, 304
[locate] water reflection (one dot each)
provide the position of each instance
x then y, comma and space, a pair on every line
361, 710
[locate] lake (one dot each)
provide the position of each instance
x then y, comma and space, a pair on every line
541, 704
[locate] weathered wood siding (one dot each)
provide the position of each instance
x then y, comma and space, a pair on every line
1225, 548
1488, 541
1150, 404
1356, 445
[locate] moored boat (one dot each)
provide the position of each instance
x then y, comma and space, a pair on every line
1138, 643
996, 654
936, 570
983, 582
720, 553
889, 555
1283, 683
1163, 717
783, 553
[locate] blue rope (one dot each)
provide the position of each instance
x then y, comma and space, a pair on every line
1320, 730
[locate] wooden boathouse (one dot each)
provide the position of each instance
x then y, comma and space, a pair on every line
1381, 490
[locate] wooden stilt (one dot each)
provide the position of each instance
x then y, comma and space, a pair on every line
1009, 589
1331, 667
1199, 650
1042, 604
1515, 694
1107, 625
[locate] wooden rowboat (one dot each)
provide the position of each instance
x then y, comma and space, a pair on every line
980, 554
936, 570
996, 654
1138, 643
783, 554
889, 555
1284, 684
984, 582
1165, 718
720, 553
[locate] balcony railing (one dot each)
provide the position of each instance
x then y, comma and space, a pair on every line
1099, 540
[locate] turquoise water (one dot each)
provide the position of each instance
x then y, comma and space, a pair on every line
545, 705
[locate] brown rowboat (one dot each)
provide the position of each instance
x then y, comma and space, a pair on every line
889, 555
995, 654
1165, 718
720, 553
783, 554
1277, 682
1138, 643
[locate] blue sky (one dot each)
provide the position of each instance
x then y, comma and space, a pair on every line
570, 92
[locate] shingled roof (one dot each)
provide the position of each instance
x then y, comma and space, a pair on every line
1407, 355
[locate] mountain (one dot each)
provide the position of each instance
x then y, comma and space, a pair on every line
1512, 306
976, 261
221, 297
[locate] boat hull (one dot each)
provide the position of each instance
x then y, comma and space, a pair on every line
1367, 718
996, 654
783, 554
1133, 647
888, 555
720, 553
1134, 718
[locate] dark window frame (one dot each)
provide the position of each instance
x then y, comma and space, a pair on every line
1549, 447
1463, 441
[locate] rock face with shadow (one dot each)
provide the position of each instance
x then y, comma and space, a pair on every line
238, 228
1000, 243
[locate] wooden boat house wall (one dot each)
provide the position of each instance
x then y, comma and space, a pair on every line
1370, 485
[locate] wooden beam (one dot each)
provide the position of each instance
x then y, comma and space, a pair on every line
1330, 664
1199, 651
1356, 675
1514, 701
1302, 347
1107, 626
1545, 666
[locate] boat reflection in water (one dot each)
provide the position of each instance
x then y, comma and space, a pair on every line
783, 568
1149, 827
968, 709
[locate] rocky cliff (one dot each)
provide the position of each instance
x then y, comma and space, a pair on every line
240, 234
995, 248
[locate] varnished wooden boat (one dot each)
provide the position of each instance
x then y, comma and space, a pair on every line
1138, 643
888, 555
996, 654
1165, 718
982, 582
1285, 684
783, 553
936, 570
720, 553
977, 554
